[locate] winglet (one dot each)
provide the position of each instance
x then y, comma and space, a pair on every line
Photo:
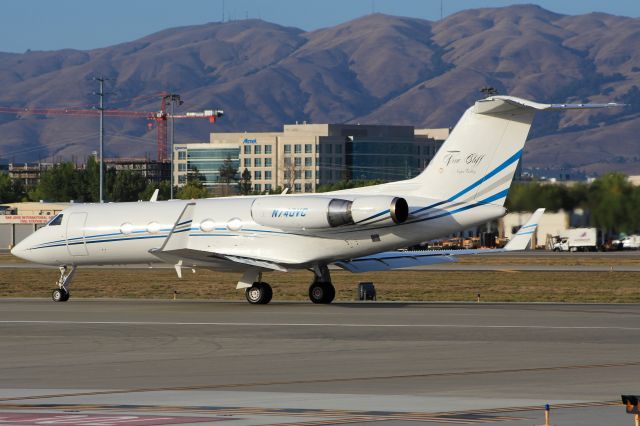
521, 240
154, 197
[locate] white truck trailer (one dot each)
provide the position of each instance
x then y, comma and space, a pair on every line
577, 239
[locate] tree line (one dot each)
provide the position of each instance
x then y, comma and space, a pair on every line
65, 182
612, 201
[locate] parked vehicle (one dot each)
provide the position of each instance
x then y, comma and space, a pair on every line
577, 239
630, 242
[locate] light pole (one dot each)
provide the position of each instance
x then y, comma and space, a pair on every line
100, 94
173, 99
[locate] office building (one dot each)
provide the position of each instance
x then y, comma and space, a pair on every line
305, 156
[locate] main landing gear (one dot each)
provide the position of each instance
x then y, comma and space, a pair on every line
259, 293
61, 294
321, 289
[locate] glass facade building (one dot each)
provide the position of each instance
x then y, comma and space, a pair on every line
304, 156
203, 160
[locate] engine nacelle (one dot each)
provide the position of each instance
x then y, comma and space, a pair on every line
291, 212
379, 209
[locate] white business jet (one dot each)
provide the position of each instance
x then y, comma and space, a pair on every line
359, 230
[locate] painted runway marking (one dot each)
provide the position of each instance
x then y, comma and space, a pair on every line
319, 380
98, 419
345, 325
329, 416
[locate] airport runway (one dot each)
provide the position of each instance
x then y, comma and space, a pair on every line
96, 362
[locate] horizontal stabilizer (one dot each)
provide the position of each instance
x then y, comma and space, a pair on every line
395, 260
412, 259
499, 104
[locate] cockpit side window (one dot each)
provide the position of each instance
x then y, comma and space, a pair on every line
55, 221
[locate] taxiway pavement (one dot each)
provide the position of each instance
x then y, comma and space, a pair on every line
157, 362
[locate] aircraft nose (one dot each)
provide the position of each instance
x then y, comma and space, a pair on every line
19, 250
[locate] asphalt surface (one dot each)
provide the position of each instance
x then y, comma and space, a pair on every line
155, 362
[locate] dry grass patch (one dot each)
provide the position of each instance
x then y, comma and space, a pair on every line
393, 285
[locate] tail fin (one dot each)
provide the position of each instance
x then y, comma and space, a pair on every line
478, 160
521, 240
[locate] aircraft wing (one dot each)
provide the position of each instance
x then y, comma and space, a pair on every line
174, 250
407, 259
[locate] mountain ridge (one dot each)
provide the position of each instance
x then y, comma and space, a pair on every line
374, 69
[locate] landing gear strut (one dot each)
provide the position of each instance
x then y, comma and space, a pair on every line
61, 294
259, 293
321, 289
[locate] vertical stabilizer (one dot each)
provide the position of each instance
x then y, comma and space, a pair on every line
478, 160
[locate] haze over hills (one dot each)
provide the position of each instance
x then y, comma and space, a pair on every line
375, 69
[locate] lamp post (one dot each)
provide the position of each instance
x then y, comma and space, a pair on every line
101, 95
173, 99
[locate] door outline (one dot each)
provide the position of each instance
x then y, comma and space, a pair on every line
76, 223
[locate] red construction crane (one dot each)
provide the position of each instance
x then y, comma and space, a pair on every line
160, 117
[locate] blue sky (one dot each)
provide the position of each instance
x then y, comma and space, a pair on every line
86, 24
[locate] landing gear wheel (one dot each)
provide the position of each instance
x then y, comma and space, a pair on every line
320, 292
60, 295
259, 294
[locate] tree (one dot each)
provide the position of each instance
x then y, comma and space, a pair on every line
228, 173
245, 182
165, 190
528, 196
193, 189
127, 185
10, 190
91, 179
610, 199
613, 202
194, 174
60, 183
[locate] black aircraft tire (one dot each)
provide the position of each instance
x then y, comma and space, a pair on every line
59, 295
268, 293
322, 293
259, 294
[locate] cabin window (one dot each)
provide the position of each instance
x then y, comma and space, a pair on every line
55, 221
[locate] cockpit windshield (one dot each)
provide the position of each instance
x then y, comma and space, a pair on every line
55, 221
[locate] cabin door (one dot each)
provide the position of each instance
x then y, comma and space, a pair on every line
75, 234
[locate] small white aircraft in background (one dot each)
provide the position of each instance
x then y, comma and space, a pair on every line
466, 184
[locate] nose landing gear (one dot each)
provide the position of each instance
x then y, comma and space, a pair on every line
61, 294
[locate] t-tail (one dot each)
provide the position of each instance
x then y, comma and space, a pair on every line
476, 164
